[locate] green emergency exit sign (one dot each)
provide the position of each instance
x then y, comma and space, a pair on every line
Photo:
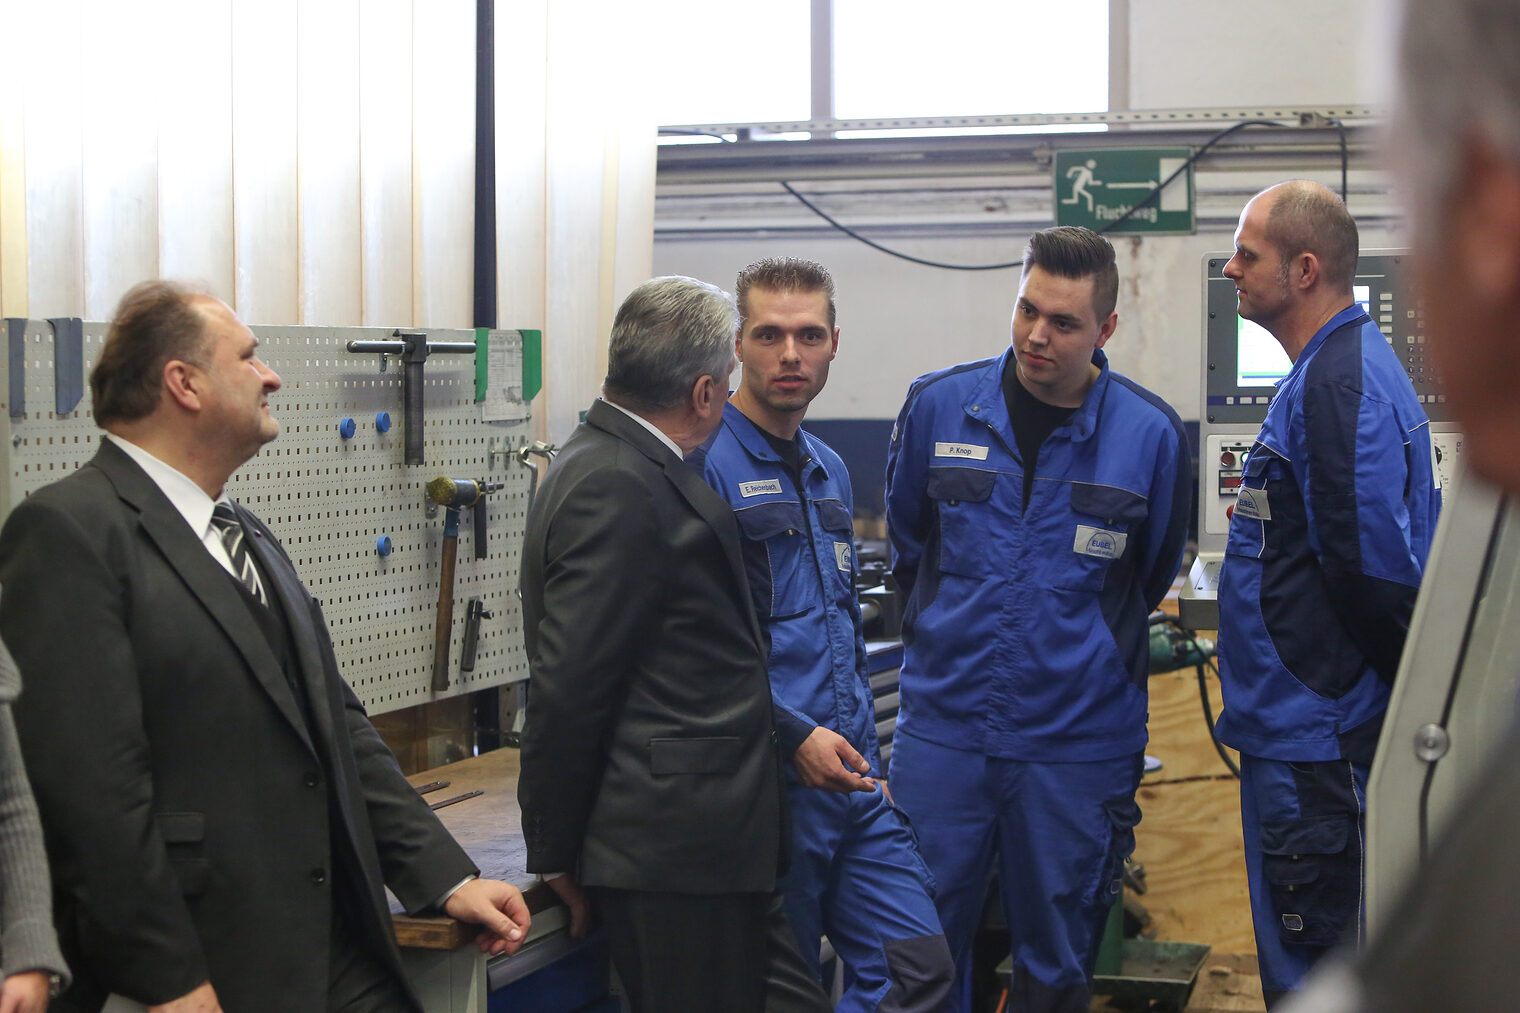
1096, 186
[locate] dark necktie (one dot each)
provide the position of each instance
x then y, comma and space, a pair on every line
231, 531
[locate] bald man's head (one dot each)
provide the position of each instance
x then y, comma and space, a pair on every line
1306, 217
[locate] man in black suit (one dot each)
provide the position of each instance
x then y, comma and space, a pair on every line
221, 817
649, 766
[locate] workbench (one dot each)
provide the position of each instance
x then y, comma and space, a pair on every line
445, 967
449, 973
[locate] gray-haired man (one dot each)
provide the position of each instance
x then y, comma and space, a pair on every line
650, 772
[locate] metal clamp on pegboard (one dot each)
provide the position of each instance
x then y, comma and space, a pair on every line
414, 348
524, 455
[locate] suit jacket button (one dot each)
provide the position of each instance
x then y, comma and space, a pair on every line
312, 780
319, 876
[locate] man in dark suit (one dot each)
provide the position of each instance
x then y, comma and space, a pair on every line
649, 766
221, 817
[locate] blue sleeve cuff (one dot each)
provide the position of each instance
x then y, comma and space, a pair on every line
792, 729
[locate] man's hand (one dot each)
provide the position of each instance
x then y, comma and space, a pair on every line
574, 897
822, 759
202, 1000
26, 992
498, 908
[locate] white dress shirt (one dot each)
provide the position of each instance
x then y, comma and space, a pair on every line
641, 420
188, 498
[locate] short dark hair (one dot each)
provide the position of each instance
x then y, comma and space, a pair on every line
668, 334
783, 274
1308, 218
156, 322
1071, 251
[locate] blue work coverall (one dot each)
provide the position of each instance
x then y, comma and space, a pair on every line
1023, 712
1328, 542
855, 873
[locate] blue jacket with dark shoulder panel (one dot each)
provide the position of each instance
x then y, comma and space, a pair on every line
1025, 630
1328, 543
800, 559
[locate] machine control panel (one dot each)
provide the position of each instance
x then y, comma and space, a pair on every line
1242, 364
1222, 465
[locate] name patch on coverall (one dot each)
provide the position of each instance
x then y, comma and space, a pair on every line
1100, 542
966, 451
842, 556
768, 487
1252, 504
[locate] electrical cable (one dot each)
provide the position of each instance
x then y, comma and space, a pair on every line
1205, 666
887, 250
1187, 163
1208, 717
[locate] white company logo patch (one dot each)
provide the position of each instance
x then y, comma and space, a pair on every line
770, 486
1099, 542
842, 556
966, 451
1252, 504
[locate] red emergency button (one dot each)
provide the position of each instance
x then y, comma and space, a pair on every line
1227, 459
1229, 512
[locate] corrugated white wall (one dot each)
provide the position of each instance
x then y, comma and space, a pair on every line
312, 162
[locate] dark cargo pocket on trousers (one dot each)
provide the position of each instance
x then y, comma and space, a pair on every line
716, 755
1313, 870
1123, 816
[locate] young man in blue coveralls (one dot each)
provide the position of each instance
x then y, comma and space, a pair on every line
1327, 545
856, 874
1038, 506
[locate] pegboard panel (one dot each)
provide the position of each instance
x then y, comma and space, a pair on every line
330, 500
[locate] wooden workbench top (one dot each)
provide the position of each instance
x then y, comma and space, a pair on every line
488, 827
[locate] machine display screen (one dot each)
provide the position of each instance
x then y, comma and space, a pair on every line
1260, 361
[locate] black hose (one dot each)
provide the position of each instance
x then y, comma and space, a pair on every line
1208, 717
1203, 691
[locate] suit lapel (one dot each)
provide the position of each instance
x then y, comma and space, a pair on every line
689, 483
185, 553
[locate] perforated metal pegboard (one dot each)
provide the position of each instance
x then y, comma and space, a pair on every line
330, 500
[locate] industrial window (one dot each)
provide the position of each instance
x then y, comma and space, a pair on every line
731, 64
908, 58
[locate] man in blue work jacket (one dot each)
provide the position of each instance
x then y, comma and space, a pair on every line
1327, 544
1038, 506
856, 874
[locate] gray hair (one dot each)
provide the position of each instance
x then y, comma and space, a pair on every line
668, 334
1459, 79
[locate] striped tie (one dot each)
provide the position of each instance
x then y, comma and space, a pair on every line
231, 530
